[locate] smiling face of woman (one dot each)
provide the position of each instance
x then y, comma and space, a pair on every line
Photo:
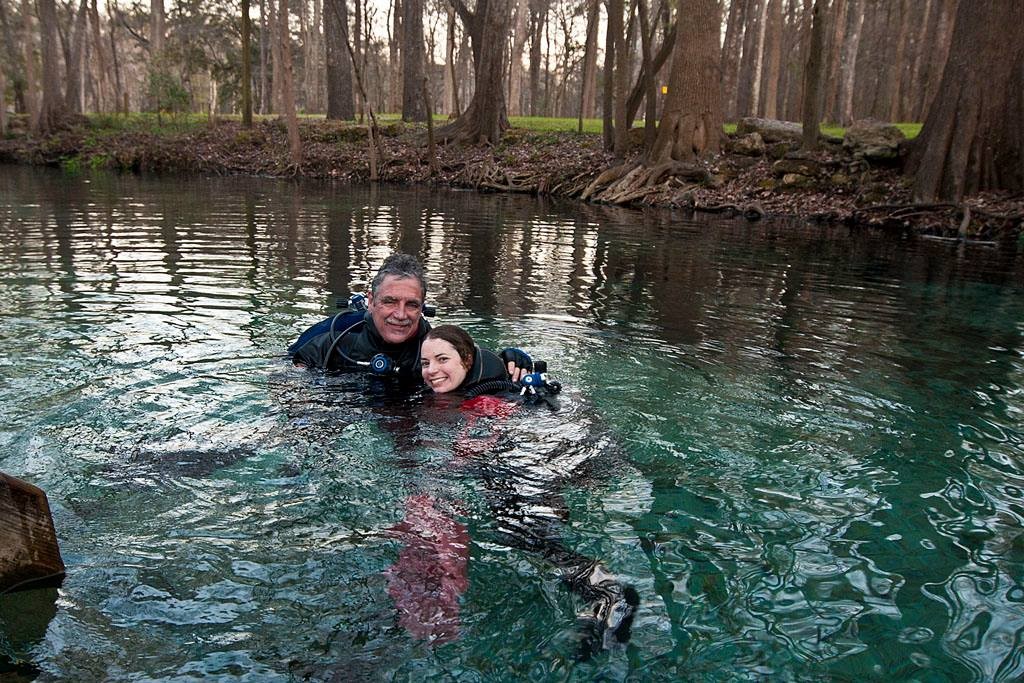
443, 369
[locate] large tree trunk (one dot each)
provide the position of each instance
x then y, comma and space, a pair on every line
938, 39
755, 92
73, 92
746, 104
156, 28
520, 33
773, 60
246, 66
394, 58
340, 104
538, 16
451, 82
588, 88
120, 96
972, 139
691, 122
287, 87
102, 67
9, 69
413, 61
3, 103
485, 118
647, 76
621, 80
612, 26
265, 37
732, 50
31, 82
811, 118
849, 69
51, 111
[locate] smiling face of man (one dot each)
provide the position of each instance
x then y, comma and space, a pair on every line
396, 308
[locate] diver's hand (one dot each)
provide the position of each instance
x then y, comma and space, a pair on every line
517, 362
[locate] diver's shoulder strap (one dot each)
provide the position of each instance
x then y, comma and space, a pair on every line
336, 324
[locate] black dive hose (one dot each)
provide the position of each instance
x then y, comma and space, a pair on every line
492, 387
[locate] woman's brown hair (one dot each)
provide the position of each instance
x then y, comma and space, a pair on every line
457, 337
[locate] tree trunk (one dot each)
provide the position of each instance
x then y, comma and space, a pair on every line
745, 103
9, 69
650, 88
849, 69
773, 63
287, 87
3, 103
102, 67
485, 118
451, 82
588, 88
796, 49
612, 26
120, 96
833, 72
317, 83
939, 38
520, 33
395, 44
265, 37
156, 28
691, 122
73, 91
972, 139
358, 62
732, 50
52, 111
413, 61
340, 104
811, 118
31, 82
621, 80
762, 25
276, 58
246, 66
897, 84
538, 15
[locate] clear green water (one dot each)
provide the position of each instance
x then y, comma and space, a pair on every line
802, 446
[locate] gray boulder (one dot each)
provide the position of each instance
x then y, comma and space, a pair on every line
751, 145
772, 131
874, 141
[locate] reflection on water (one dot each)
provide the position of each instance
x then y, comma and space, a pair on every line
803, 446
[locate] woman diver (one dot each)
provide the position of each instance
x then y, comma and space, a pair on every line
531, 518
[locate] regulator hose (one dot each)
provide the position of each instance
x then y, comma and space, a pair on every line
492, 387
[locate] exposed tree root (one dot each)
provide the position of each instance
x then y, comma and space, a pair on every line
632, 182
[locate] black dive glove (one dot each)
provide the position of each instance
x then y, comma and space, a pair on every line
519, 357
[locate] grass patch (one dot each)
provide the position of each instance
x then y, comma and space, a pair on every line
180, 123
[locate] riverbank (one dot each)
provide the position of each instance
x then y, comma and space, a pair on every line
856, 179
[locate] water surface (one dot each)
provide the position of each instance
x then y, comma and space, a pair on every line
802, 445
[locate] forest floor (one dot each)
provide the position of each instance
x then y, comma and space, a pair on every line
833, 185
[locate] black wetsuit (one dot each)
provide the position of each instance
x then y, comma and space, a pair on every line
347, 342
488, 367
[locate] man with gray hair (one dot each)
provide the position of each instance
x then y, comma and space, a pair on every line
384, 336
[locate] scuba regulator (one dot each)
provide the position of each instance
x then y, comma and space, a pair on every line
537, 381
534, 388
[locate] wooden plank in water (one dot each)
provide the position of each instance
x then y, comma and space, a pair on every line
29, 554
